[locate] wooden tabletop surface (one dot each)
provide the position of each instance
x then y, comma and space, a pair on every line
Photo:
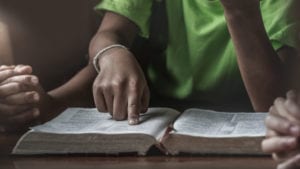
7, 161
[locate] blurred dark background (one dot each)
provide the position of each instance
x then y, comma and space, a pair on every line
50, 35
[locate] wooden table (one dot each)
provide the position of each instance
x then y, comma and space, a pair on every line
125, 162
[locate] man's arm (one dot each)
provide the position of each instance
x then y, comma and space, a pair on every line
74, 93
78, 90
262, 70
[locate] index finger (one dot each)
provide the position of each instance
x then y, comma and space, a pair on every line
134, 108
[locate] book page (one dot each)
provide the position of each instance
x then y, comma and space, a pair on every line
85, 120
207, 123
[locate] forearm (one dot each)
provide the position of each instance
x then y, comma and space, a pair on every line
77, 92
115, 29
261, 68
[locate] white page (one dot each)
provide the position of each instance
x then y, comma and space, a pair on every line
206, 123
83, 120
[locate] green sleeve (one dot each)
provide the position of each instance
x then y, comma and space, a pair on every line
279, 25
138, 11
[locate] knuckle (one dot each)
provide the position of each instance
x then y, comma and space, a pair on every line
106, 87
98, 87
134, 89
285, 126
26, 78
28, 97
6, 74
116, 84
279, 100
9, 72
283, 144
118, 81
133, 83
19, 87
268, 121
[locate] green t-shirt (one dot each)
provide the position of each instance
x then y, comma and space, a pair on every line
200, 62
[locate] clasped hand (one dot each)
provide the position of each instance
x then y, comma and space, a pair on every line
18, 97
283, 131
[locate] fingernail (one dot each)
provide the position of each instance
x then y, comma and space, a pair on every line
133, 121
36, 113
36, 97
23, 68
295, 130
34, 80
27, 79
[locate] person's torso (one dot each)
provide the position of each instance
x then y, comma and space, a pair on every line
200, 63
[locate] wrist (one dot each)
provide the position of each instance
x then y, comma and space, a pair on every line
97, 60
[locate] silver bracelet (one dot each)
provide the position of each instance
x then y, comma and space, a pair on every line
96, 58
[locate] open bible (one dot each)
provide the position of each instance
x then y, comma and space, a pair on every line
195, 131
